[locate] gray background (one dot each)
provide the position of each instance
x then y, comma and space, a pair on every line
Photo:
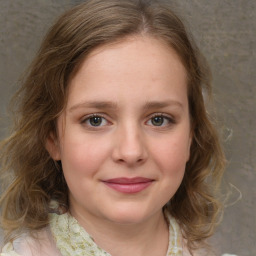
225, 32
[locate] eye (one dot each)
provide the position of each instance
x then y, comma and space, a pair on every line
95, 120
160, 120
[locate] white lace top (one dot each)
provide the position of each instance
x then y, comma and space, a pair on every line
65, 237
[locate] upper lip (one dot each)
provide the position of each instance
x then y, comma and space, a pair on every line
124, 180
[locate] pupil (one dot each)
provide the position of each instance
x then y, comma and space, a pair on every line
157, 121
95, 121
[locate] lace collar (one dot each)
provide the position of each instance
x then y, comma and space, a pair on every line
72, 239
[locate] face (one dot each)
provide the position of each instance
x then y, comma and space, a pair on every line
124, 137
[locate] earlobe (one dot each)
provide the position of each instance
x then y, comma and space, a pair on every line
52, 146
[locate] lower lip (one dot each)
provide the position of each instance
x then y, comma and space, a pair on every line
129, 188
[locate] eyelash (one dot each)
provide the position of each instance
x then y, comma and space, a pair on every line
88, 117
165, 117
169, 119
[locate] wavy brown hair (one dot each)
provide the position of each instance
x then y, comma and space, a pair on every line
31, 179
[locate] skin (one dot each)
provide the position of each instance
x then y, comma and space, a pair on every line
137, 91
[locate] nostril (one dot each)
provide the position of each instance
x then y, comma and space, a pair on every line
130, 161
129, 149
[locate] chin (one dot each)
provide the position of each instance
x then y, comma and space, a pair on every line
128, 216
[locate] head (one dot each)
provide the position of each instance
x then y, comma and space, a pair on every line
44, 94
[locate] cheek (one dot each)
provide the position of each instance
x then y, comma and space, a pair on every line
83, 157
172, 154
80, 166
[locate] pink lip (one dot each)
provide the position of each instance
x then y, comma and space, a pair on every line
129, 185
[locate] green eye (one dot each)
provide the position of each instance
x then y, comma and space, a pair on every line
160, 120
157, 120
95, 121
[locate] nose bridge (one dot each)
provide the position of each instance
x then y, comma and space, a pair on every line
130, 146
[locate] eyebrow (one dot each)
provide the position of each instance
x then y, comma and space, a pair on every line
111, 105
162, 104
94, 104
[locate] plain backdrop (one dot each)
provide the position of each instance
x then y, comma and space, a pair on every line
225, 32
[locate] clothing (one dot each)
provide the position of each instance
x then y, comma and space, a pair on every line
65, 237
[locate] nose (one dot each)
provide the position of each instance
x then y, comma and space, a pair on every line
130, 146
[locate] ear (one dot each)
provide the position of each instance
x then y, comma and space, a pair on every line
52, 146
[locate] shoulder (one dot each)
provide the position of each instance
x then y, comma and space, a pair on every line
40, 244
8, 250
179, 243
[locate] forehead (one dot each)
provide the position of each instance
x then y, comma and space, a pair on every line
136, 63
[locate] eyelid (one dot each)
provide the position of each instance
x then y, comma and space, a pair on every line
169, 117
85, 118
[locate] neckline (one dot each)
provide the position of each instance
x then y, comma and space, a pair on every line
72, 239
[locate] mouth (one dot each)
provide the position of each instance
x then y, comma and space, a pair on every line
128, 185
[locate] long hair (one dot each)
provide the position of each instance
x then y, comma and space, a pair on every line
31, 178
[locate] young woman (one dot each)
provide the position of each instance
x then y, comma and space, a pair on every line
113, 152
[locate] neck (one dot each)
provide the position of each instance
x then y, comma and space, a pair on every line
149, 237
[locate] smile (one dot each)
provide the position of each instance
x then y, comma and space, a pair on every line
128, 185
